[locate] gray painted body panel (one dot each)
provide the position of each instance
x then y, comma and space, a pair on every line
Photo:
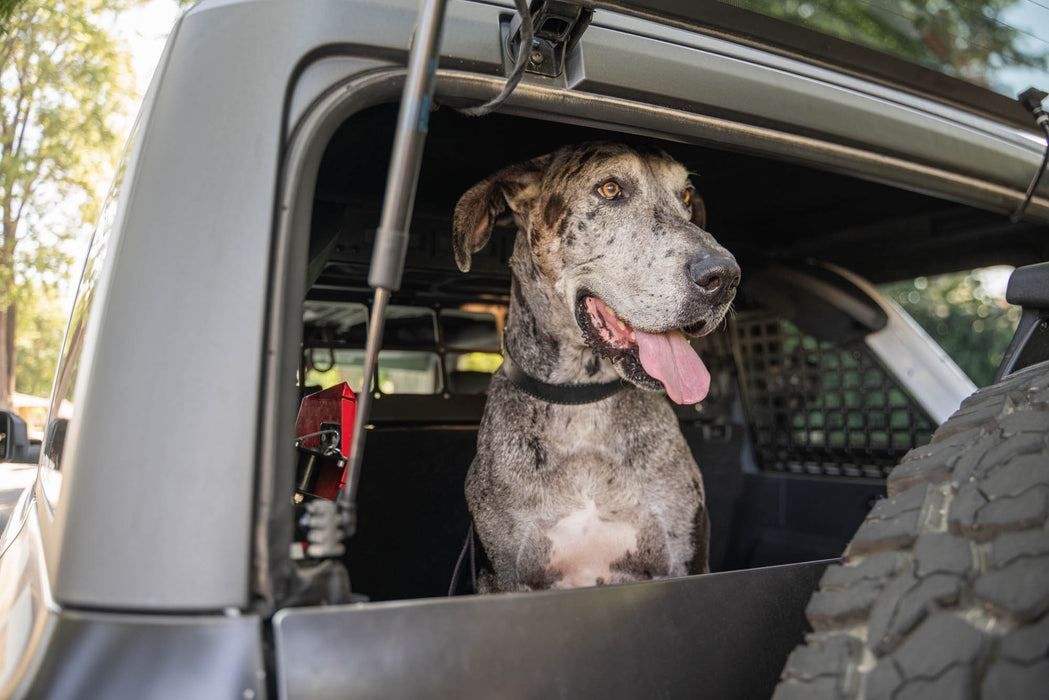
722, 81
27, 610
107, 655
51, 652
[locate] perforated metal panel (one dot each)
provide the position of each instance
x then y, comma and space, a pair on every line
818, 408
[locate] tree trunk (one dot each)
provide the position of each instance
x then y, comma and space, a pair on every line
7, 355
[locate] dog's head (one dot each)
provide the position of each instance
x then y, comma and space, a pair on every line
618, 233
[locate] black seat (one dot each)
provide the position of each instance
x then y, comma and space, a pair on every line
412, 514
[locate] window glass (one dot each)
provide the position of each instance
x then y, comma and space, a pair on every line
63, 398
998, 44
965, 313
476, 330
399, 372
340, 323
408, 372
471, 372
409, 326
419, 357
326, 367
334, 323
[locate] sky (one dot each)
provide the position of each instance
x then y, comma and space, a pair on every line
145, 29
1032, 18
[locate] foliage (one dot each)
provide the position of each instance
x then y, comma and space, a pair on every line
7, 8
964, 314
66, 88
41, 324
958, 38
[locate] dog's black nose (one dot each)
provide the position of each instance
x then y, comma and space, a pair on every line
716, 276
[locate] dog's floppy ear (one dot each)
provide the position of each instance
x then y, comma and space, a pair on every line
699, 211
477, 210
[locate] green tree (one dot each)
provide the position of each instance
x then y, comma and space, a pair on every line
66, 88
970, 322
41, 324
962, 39
7, 8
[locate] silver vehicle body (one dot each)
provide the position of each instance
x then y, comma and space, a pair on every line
156, 524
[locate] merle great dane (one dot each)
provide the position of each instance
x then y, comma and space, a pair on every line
580, 478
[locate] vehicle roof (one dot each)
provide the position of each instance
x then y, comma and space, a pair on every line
800, 39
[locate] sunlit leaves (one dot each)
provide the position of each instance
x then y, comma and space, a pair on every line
963, 39
966, 313
66, 93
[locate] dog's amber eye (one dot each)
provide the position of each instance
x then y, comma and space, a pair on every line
687, 197
610, 190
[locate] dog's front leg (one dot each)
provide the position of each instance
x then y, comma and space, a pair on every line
516, 554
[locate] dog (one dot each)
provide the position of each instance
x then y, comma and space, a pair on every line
581, 478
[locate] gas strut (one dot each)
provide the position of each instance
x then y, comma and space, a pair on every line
329, 524
391, 238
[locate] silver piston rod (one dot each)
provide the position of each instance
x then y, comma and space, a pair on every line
391, 238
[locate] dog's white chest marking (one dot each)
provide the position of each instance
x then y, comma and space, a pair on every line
584, 546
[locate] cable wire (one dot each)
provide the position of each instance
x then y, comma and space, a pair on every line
1031, 99
524, 53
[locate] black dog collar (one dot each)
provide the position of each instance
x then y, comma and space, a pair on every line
566, 394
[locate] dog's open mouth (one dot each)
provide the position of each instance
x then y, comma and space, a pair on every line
646, 358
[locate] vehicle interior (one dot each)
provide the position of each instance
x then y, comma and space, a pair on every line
802, 423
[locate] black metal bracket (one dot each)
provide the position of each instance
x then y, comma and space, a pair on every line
1031, 99
558, 27
1029, 288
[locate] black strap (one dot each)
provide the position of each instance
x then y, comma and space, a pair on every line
468, 546
567, 394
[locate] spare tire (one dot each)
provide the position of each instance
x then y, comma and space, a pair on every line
944, 589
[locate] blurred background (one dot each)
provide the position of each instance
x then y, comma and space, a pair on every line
73, 72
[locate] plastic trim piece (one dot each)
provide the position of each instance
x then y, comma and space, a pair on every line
929, 374
1029, 288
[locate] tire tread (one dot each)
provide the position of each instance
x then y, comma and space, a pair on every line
944, 589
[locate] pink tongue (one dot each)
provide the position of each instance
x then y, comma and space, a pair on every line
669, 358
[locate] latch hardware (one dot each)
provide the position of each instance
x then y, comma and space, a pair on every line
558, 26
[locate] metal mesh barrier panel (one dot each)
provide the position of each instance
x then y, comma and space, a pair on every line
818, 408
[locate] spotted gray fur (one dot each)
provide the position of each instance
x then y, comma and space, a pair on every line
623, 459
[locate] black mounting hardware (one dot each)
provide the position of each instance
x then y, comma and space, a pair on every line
1031, 99
558, 26
1028, 288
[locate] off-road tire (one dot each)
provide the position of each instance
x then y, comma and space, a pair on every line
944, 589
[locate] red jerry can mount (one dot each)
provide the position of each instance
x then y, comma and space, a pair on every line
323, 433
